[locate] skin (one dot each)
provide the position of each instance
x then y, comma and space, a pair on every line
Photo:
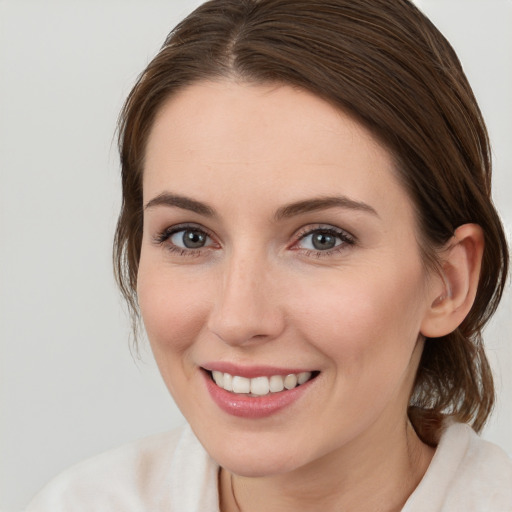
258, 293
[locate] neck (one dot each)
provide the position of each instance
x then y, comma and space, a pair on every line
377, 474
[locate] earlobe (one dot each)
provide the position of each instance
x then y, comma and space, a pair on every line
454, 291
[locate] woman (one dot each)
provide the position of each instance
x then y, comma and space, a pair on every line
308, 233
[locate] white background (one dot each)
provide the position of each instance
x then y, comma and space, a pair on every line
69, 387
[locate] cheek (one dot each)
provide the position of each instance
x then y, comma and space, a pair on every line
371, 319
173, 308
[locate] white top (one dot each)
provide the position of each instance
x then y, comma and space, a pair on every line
172, 472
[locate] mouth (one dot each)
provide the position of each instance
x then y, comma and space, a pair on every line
261, 385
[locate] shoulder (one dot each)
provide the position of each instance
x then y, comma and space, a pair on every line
136, 477
466, 474
484, 474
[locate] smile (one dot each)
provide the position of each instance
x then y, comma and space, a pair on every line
260, 393
259, 386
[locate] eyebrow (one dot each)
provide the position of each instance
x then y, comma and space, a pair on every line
284, 212
322, 203
185, 203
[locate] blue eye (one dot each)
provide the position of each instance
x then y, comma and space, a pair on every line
324, 239
184, 239
189, 238
321, 241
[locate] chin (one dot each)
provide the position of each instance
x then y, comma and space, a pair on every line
252, 467
257, 455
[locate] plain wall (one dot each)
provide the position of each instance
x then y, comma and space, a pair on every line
69, 387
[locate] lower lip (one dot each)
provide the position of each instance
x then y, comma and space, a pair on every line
253, 407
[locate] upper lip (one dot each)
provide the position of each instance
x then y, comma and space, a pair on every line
252, 371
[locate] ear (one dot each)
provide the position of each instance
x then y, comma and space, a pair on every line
453, 291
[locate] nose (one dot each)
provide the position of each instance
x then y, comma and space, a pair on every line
247, 309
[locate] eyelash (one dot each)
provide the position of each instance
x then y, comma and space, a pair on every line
346, 239
163, 238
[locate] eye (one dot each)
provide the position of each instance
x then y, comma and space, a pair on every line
320, 241
323, 239
184, 239
189, 238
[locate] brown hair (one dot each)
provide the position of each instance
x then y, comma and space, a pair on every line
385, 63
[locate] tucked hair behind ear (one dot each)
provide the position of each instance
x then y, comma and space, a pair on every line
383, 62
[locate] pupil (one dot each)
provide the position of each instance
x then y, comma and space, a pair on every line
193, 239
323, 241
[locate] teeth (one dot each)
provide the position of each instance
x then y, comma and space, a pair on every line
259, 386
241, 384
276, 383
303, 377
218, 377
227, 382
290, 381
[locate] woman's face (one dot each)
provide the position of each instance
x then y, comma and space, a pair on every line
278, 241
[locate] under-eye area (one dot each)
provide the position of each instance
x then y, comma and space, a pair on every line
262, 385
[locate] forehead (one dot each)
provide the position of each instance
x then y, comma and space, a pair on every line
271, 141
